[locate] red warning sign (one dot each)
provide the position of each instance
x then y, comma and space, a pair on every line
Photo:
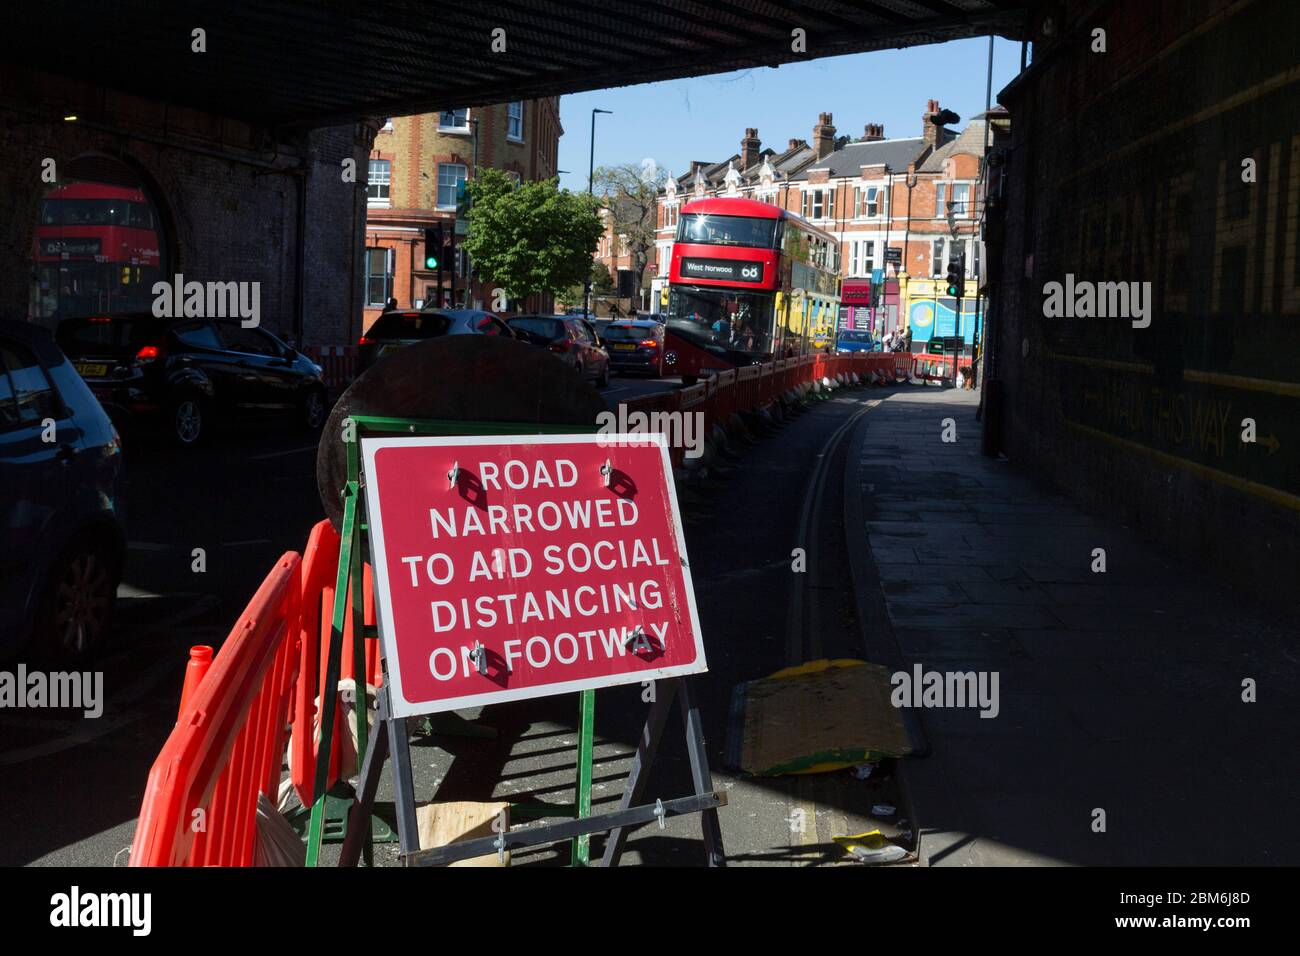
520, 566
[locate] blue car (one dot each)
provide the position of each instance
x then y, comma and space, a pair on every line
855, 340
61, 535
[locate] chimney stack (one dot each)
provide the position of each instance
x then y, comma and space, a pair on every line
873, 132
932, 134
749, 147
796, 144
823, 136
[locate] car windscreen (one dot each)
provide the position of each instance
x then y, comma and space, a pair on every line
106, 335
626, 333
409, 325
546, 328
852, 335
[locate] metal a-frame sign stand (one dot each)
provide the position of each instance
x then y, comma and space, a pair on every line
392, 740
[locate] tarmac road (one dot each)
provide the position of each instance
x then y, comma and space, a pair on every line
72, 787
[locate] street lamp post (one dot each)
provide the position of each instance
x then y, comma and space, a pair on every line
591, 179
469, 266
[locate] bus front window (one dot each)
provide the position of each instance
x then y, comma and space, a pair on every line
721, 319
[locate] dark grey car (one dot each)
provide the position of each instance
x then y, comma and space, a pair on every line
636, 346
61, 536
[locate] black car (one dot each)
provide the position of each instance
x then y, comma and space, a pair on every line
185, 372
61, 537
400, 328
572, 338
636, 346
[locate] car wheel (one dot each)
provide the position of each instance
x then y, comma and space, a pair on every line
77, 606
189, 418
314, 409
603, 381
582, 372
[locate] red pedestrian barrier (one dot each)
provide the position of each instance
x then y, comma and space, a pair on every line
338, 363
200, 802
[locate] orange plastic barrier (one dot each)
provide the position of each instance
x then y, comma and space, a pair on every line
200, 802
755, 386
320, 567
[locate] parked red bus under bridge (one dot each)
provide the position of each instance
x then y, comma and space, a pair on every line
748, 282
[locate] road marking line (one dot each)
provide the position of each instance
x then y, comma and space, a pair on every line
283, 453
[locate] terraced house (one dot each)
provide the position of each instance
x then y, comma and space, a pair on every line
886, 201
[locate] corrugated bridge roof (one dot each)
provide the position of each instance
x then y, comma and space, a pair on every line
316, 62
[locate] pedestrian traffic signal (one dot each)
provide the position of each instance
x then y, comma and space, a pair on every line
956, 273
432, 246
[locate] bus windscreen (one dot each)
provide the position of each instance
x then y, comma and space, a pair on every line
721, 319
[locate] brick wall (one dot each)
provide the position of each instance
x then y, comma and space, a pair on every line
228, 195
1127, 166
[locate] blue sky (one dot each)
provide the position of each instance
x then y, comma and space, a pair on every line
704, 118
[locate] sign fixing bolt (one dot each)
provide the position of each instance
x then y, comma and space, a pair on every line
454, 475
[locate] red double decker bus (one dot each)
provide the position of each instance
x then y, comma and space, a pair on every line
97, 249
749, 282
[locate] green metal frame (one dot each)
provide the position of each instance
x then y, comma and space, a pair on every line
350, 573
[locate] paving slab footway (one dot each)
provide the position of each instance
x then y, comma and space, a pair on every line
1140, 714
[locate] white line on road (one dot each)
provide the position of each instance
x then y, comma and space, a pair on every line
283, 453
148, 546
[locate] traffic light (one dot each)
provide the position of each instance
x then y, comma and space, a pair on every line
433, 246
956, 275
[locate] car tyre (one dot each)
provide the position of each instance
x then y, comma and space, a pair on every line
315, 409
76, 607
188, 417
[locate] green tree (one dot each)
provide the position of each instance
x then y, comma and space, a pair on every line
630, 193
530, 237
602, 283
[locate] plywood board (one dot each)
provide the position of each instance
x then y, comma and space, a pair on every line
453, 822
817, 717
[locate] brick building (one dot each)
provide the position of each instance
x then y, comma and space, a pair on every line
614, 251
416, 166
871, 193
